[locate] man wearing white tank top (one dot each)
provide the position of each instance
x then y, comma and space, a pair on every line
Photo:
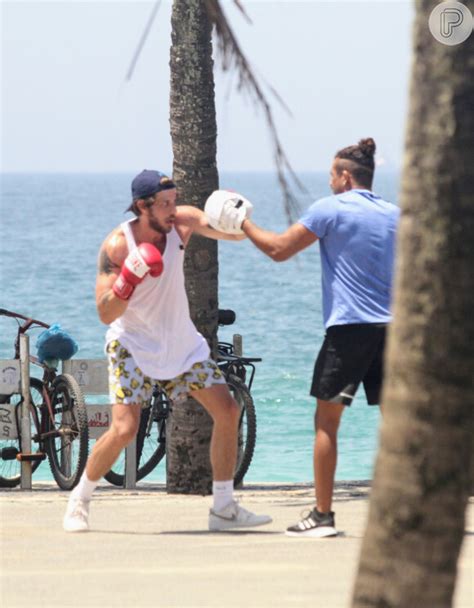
140, 294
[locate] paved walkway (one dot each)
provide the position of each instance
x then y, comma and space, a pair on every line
150, 549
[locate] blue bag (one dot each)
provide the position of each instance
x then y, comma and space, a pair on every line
54, 344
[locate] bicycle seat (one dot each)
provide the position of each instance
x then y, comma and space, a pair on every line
225, 316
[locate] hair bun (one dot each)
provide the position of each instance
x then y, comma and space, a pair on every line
367, 146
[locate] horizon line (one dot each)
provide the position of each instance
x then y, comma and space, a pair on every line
133, 171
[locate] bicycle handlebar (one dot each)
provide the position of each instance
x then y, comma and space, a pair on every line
28, 320
238, 358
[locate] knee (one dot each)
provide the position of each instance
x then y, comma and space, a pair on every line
326, 423
326, 426
125, 433
228, 412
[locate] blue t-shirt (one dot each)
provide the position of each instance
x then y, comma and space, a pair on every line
357, 242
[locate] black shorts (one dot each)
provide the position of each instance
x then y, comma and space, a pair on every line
350, 354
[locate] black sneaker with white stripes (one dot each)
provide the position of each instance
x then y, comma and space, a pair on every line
314, 525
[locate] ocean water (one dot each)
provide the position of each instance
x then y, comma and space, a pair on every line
51, 230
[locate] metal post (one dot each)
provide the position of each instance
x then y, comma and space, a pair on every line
131, 466
25, 424
238, 348
66, 445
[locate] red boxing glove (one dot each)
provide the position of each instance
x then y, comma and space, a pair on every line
145, 259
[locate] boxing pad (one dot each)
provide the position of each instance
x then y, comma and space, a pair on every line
226, 210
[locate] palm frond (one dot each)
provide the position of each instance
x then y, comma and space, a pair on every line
142, 40
233, 58
238, 4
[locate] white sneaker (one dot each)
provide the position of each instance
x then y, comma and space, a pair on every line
76, 518
235, 516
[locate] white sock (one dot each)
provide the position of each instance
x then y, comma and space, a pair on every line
223, 493
84, 488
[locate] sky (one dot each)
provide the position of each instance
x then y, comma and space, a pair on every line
341, 67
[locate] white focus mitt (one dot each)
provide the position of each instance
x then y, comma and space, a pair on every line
226, 210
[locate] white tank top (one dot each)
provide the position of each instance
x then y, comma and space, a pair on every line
156, 328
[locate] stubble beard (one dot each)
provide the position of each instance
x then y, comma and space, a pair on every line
158, 227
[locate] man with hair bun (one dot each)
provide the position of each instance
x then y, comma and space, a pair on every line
356, 232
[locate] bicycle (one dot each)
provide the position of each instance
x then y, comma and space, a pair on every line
151, 435
58, 421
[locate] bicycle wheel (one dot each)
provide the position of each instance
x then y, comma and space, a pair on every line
151, 441
10, 467
68, 445
247, 435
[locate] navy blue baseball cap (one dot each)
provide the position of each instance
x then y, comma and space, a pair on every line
149, 182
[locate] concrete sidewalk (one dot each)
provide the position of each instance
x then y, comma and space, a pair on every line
146, 548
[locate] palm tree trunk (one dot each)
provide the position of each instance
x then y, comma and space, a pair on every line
193, 132
422, 478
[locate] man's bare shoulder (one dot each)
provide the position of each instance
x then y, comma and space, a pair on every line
113, 252
188, 220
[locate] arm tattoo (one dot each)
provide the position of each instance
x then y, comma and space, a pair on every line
105, 299
105, 263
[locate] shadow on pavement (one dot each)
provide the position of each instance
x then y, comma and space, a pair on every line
189, 533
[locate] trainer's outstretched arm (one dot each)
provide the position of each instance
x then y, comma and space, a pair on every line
198, 222
279, 247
